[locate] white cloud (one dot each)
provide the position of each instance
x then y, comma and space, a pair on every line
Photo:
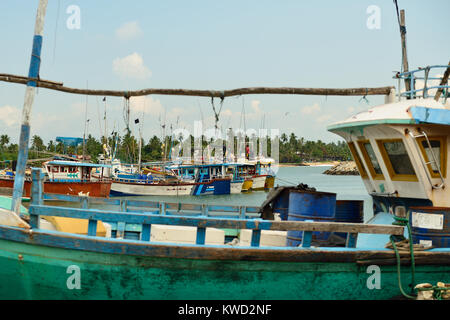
324, 118
147, 105
131, 66
255, 106
128, 30
10, 115
310, 109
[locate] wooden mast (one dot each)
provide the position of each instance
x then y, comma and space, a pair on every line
33, 75
404, 53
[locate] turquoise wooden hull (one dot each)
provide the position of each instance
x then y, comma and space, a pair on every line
35, 271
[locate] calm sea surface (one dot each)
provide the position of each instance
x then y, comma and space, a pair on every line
346, 188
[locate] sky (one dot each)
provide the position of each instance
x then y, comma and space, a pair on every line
210, 45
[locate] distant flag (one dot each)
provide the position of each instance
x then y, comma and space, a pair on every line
104, 98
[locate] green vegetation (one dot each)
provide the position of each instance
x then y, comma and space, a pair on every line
292, 149
298, 150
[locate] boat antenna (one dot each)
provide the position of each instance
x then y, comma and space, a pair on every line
56, 31
86, 120
139, 145
106, 129
99, 119
140, 134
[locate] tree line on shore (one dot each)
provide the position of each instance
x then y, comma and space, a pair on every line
292, 149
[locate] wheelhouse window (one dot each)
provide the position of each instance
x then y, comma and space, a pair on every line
397, 160
357, 159
439, 149
371, 160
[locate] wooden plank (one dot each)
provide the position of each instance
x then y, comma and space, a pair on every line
37, 187
256, 238
242, 212
351, 240
224, 253
141, 203
92, 227
209, 93
201, 235
120, 233
216, 222
84, 202
123, 205
204, 210
134, 227
146, 232
36, 195
232, 209
306, 239
26, 79
162, 208
336, 227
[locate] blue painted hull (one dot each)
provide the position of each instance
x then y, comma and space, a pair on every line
215, 187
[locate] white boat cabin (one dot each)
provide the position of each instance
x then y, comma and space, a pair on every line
401, 150
71, 171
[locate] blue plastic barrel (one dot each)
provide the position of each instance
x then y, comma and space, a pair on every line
310, 205
281, 204
430, 225
349, 211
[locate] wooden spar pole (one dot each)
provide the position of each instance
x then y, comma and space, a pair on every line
33, 73
404, 53
206, 93
443, 82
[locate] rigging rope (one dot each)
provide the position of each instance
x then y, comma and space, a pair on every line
217, 114
404, 222
56, 31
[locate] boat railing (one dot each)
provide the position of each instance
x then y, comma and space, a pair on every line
90, 180
163, 208
151, 217
144, 181
423, 74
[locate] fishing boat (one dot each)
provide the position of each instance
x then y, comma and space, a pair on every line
207, 179
38, 263
64, 177
258, 180
274, 272
178, 180
143, 185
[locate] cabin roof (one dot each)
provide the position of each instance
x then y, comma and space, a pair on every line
403, 112
77, 164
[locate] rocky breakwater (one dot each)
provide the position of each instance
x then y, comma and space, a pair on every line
344, 168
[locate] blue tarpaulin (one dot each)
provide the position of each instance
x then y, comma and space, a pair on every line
430, 115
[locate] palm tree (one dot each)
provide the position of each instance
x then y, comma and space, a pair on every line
4, 140
37, 143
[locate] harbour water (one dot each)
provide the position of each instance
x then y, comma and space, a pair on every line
346, 188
